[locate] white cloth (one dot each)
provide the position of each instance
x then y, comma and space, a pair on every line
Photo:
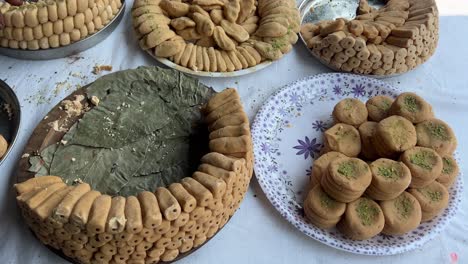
256, 233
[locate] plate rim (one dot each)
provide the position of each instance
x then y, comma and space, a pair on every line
287, 214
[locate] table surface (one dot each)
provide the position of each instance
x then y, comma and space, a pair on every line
257, 233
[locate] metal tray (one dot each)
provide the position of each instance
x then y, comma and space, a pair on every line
313, 11
9, 121
183, 69
65, 51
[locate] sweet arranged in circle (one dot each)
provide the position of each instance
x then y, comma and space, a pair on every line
216, 35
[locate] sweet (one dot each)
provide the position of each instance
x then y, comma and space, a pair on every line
450, 171
367, 131
343, 138
219, 36
433, 198
51, 24
389, 179
401, 214
393, 39
425, 165
3, 146
347, 179
378, 107
394, 135
436, 134
321, 209
350, 111
362, 220
320, 166
412, 107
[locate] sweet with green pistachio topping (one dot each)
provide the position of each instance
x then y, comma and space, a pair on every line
438, 131
388, 172
411, 104
404, 206
421, 159
367, 212
448, 166
326, 201
434, 196
347, 169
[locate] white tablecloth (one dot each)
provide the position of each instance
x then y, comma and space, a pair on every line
256, 233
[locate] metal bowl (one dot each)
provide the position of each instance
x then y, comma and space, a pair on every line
65, 51
10, 116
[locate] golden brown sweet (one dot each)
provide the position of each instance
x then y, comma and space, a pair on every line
412, 107
343, 138
394, 135
379, 107
436, 134
362, 220
425, 165
322, 210
350, 111
450, 171
401, 214
367, 131
320, 166
433, 199
389, 179
346, 179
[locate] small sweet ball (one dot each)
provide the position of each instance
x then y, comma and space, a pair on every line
350, 111
402, 214
425, 165
412, 107
378, 107
450, 171
3, 146
363, 219
436, 134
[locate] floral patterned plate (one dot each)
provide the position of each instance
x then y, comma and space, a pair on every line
287, 135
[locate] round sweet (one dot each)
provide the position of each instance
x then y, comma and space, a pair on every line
436, 134
362, 220
350, 111
450, 171
347, 179
393, 135
320, 166
425, 165
320, 206
433, 199
402, 214
216, 36
379, 107
367, 131
3, 146
389, 179
343, 138
412, 107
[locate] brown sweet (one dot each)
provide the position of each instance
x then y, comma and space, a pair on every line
367, 131
343, 138
394, 134
3, 146
320, 166
379, 107
350, 111
412, 107
436, 134
321, 209
401, 214
433, 199
389, 179
425, 165
450, 171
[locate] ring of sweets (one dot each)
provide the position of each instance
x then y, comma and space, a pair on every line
393, 39
89, 227
54, 23
216, 35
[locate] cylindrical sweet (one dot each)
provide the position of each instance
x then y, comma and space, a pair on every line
44, 193
17, 18
48, 29
30, 16
230, 145
37, 32
46, 208
75, 35
215, 185
58, 27
72, 7
65, 208
83, 32
133, 214
68, 24
186, 201
64, 39
82, 208
116, 220
202, 194
36, 182
18, 34
98, 215
52, 11
44, 43
168, 204
62, 11
150, 209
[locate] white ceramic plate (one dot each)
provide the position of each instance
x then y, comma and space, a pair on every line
287, 136
183, 69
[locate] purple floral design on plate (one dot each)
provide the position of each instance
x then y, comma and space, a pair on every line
319, 125
308, 147
337, 90
358, 90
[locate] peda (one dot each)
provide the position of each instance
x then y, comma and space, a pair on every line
450, 171
363, 219
433, 199
401, 214
393, 135
350, 111
425, 165
346, 179
321, 165
343, 138
436, 134
389, 179
322, 210
412, 107
367, 131
378, 107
